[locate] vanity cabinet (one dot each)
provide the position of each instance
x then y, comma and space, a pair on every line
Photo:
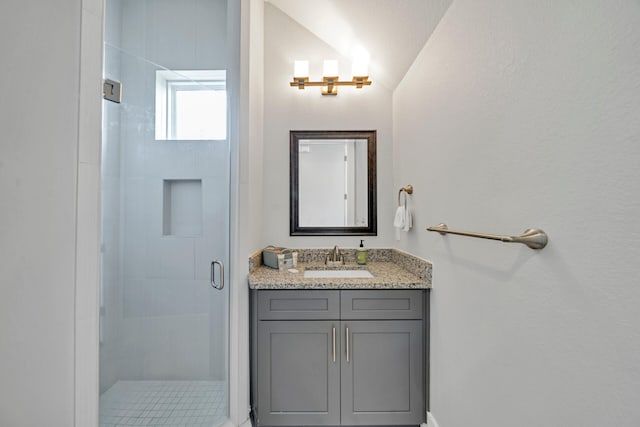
338, 357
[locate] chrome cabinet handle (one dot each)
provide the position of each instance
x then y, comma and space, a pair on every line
347, 344
333, 333
213, 279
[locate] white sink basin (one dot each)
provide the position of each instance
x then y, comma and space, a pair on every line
337, 274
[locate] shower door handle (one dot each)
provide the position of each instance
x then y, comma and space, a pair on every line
213, 276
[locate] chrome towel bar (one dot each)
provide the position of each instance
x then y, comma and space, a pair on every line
532, 237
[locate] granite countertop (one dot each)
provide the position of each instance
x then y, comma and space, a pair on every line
391, 269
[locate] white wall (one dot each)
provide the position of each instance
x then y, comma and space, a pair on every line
88, 216
247, 53
287, 108
525, 114
38, 184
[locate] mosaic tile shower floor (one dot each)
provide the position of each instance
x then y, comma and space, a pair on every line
164, 403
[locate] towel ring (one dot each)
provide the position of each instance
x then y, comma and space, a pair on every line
407, 189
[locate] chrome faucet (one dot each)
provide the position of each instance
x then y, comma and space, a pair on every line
334, 256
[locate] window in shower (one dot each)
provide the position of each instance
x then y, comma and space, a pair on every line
191, 105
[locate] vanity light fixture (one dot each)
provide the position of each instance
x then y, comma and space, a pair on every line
330, 79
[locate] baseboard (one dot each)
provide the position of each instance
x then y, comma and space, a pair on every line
229, 423
431, 421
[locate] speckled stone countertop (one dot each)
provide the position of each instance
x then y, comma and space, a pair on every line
391, 269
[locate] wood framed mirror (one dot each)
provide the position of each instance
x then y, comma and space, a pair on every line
332, 183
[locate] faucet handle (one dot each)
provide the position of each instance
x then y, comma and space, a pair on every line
334, 256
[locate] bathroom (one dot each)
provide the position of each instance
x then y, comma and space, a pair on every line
511, 115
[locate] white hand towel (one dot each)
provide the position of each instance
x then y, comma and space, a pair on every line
408, 220
398, 221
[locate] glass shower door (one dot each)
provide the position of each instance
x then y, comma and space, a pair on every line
165, 219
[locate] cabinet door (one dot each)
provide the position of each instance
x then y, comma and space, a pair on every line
382, 373
298, 379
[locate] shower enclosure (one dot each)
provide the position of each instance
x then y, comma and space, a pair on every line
165, 215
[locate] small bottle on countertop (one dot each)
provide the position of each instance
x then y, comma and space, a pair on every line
361, 254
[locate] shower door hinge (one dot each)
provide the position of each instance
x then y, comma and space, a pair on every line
112, 90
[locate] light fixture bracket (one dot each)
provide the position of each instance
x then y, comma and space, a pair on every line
299, 82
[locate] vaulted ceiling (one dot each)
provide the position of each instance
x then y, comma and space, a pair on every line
392, 31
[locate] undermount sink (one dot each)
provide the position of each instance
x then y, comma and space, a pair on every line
338, 274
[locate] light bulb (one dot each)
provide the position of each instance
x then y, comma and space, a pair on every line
330, 68
300, 68
360, 62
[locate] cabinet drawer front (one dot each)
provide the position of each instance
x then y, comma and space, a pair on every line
382, 304
298, 305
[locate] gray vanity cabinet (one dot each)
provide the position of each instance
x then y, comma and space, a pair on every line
338, 357
298, 377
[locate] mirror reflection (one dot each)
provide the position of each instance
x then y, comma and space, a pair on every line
333, 182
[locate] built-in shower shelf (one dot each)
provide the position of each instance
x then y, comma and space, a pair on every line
182, 207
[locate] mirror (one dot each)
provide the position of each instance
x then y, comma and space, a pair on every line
333, 183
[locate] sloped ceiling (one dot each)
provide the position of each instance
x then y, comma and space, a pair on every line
392, 31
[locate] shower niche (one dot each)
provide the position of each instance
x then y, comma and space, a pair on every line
182, 207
